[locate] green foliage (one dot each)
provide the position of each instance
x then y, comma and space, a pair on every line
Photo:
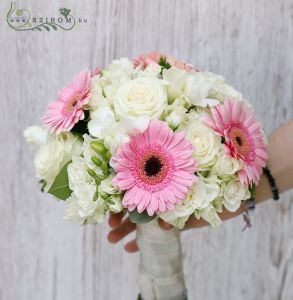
252, 190
164, 64
60, 187
140, 218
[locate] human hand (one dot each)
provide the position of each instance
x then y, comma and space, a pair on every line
121, 226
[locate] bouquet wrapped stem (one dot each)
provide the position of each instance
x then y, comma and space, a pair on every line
160, 269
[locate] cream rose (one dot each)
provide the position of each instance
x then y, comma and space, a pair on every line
233, 193
140, 97
207, 144
226, 165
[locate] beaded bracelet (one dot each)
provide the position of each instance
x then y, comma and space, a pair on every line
250, 203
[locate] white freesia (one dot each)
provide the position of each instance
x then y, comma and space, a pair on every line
96, 94
200, 196
88, 153
233, 193
152, 70
77, 172
103, 122
210, 215
52, 156
118, 72
177, 81
86, 211
36, 136
107, 186
197, 90
206, 143
104, 126
226, 165
115, 205
175, 113
140, 97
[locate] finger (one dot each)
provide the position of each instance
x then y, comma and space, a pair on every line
121, 231
165, 225
131, 247
115, 219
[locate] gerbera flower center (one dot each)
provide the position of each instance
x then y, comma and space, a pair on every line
240, 141
152, 167
72, 102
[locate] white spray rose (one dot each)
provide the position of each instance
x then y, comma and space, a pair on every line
36, 136
226, 165
52, 156
152, 70
207, 144
200, 196
140, 97
233, 193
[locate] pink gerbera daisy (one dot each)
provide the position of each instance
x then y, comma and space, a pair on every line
243, 136
155, 168
66, 111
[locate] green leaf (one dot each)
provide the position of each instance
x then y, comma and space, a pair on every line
53, 26
60, 187
46, 27
140, 218
252, 190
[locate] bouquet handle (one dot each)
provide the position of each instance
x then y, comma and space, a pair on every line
160, 269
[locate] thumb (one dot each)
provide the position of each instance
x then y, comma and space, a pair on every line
164, 225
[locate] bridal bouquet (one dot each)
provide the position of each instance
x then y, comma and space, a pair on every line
152, 137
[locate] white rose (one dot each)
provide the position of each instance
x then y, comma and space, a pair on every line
200, 196
206, 143
48, 161
177, 80
140, 97
36, 136
77, 172
197, 90
233, 193
226, 165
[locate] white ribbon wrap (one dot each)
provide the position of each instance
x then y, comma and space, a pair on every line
160, 270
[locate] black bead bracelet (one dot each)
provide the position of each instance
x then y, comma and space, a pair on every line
272, 183
250, 203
